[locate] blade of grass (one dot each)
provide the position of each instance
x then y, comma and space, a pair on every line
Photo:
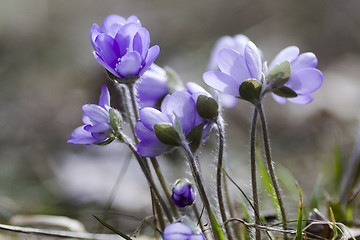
299, 235
216, 226
123, 235
268, 184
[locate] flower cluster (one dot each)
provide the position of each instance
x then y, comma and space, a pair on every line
122, 46
161, 117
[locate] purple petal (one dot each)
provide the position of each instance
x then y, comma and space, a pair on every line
183, 106
126, 34
151, 148
100, 136
142, 42
133, 19
104, 100
152, 54
199, 236
287, 54
105, 65
96, 113
94, 32
177, 227
302, 99
237, 66
253, 60
80, 136
222, 82
306, 80
107, 48
99, 127
129, 65
112, 23
144, 133
151, 116
305, 60
87, 120
227, 100
194, 88
279, 99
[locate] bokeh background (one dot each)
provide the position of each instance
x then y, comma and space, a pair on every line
47, 72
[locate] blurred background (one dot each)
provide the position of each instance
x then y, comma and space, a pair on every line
47, 72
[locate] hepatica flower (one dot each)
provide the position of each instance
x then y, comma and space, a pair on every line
304, 77
160, 130
122, 46
182, 231
152, 87
96, 118
235, 68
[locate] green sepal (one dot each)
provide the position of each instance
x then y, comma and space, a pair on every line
250, 90
115, 120
279, 75
127, 80
194, 137
285, 92
107, 141
173, 79
167, 134
207, 107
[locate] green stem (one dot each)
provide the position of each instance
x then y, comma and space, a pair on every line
198, 217
253, 173
164, 186
196, 174
147, 174
270, 165
220, 126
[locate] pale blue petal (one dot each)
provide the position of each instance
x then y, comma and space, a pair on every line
81, 136
222, 82
104, 100
151, 148
152, 54
253, 60
96, 113
287, 54
151, 116
302, 99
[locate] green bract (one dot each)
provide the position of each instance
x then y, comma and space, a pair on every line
167, 134
207, 107
250, 90
115, 120
279, 75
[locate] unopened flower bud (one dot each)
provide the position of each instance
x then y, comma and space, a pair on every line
183, 193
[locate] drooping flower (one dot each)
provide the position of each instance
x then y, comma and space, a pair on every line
156, 129
183, 193
122, 46
235, 68
152, 87
96, 118
304, 77
182, 231
237, 43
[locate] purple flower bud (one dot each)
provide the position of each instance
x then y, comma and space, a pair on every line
96, 120
183, 193
304, 78
152, 87
122, 46
182, 231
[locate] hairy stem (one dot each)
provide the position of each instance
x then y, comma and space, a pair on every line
219, 186
196, 174
253, 173
270, 165
162, 181
147, 175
